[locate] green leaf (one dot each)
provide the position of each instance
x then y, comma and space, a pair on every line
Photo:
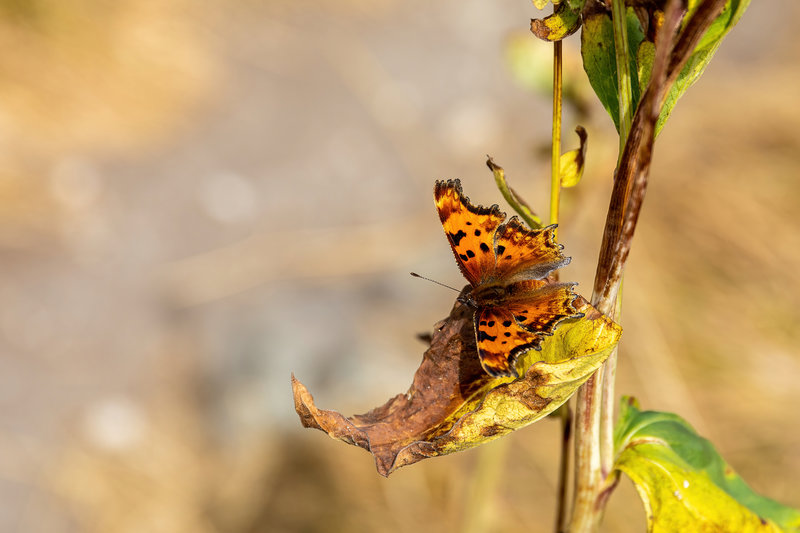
572, 162
684, 483
698, 60
565, 20
599, 60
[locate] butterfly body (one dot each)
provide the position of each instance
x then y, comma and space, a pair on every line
507, 265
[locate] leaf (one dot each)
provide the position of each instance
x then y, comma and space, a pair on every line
514, 200
698, 60
540, 4
565, 20
599, 60
684, 483
453, 404
572, 162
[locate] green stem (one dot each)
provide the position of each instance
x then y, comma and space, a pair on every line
625, 95
555, 171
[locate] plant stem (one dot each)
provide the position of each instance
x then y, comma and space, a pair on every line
588, 476
624, 94
609, 402
555, 199
563, 470
595, 403
555, 171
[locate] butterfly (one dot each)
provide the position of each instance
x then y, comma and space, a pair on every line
507, 265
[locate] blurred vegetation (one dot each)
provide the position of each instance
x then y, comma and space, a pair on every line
177, 179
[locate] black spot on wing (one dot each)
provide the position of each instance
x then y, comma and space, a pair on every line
501, 249
483, 336
470, 253
484, 247
457, 236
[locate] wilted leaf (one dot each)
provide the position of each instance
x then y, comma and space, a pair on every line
565, 20
572, 162
515, 200
599, 60
684, 483
453, 404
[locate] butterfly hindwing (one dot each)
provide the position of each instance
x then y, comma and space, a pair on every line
500, 340
470, 230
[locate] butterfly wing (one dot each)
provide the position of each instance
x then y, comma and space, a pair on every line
500, 340
470, 230
527, 254
533, 310
538, 306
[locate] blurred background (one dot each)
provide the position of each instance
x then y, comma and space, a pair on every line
199, 198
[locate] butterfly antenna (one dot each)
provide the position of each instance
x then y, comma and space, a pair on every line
434, 281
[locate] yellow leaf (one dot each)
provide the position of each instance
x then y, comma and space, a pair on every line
572, 162
684, 483
453, 404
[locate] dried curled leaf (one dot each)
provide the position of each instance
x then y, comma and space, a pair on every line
564, 21
684, 483
453, 404
572, 162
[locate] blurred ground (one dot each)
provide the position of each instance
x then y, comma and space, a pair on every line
198, 199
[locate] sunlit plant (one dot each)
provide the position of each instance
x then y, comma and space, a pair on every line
640, 57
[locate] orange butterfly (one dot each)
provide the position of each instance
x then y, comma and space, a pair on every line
515, 303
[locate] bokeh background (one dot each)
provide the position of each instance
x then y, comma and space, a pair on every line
199, 198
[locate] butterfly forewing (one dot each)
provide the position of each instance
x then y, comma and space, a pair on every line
500, 340
469, 229
534, 253
538, 306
